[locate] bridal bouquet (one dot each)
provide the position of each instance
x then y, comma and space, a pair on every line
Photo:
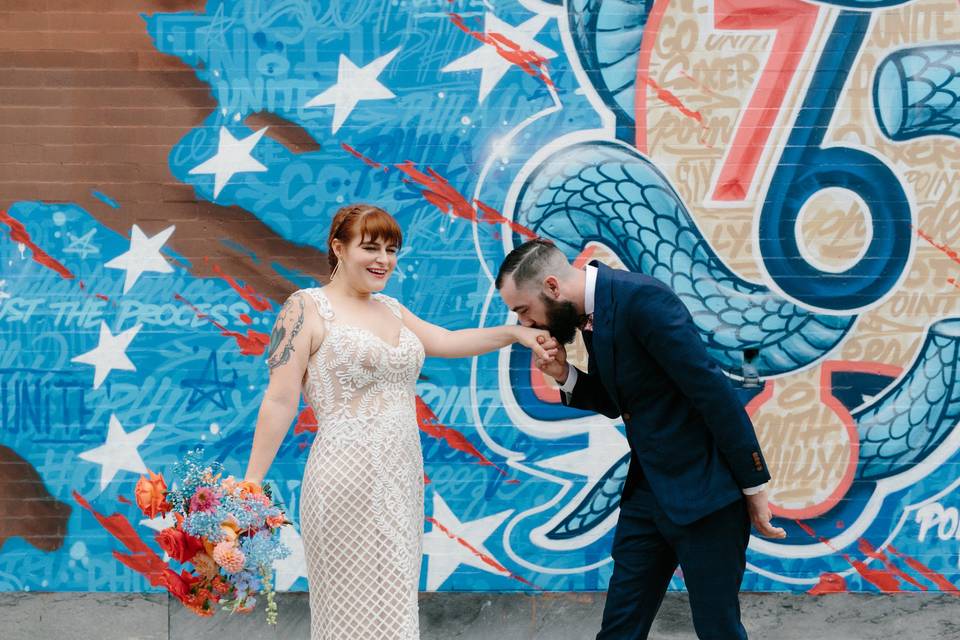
226, 530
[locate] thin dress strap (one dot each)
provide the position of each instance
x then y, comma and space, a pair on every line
322, 301
391, 303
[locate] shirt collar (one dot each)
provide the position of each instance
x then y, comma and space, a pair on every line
590, 289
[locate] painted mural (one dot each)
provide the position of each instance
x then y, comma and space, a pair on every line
789, 167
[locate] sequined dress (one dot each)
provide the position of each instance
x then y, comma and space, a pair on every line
361, 508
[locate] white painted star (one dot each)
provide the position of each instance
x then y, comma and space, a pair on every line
232, 157
119, 452
446, 553
109, 354
143, 255
294, 566
353, 85
492, 65
160, 522
605, 446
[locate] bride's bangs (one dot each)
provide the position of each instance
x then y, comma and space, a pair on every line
380, 225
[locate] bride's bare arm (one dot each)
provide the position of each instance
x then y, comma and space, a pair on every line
287, 357
443, 343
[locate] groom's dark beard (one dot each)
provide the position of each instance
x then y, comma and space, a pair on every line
563, 320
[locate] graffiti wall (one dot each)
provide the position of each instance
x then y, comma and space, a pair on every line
169, 171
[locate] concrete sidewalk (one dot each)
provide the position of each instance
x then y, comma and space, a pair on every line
473, 616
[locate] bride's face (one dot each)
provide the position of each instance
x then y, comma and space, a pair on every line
366, 263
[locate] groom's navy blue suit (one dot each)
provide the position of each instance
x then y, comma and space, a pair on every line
693, 451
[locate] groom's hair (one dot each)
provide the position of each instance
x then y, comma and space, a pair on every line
531, 262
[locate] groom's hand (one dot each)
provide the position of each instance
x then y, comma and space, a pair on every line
759, 509
556, 367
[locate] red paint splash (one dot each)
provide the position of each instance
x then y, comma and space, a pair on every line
306, 422
143, 560
882, 580
868, 550
438, 192
18, 233
829, 583
887, 580
942, 583
245, 319
650, 33
124, 499
877, 577
430, 425
426, 479
493, 216
257, 301
254, 343
532, 63
667, 96
367, 161
945, 249
954, 282
483, 557
441, 194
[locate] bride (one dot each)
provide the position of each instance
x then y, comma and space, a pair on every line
356, 354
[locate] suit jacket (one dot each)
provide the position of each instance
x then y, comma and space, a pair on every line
690, 438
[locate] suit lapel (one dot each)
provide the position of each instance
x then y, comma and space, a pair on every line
604, 314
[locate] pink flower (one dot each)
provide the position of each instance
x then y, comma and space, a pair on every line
229, 557
205, 499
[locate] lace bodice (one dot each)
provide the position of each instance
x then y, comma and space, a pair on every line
356, 376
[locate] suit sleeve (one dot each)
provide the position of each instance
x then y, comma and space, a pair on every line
589, 394
667, 332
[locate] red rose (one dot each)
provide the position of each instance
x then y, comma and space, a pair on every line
181, 546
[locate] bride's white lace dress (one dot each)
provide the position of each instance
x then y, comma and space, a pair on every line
361, 509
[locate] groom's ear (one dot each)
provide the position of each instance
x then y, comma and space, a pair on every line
551, 287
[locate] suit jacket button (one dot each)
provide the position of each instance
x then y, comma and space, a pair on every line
626, 417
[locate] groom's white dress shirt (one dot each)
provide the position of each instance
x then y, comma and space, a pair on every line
590, 287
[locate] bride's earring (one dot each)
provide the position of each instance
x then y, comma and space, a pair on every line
333, 273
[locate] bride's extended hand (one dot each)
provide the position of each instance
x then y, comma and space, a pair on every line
532, 338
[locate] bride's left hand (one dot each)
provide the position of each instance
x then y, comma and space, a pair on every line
532, 338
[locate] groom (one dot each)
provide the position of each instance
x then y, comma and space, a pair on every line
697, 478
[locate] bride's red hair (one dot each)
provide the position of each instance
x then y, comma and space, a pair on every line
364, 221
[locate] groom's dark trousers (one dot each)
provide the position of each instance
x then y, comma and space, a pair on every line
693, 450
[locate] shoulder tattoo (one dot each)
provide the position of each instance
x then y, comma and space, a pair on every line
281, 338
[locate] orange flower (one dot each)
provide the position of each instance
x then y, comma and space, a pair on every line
249, 487
205, 565
228, 556
229, 532
221, 586
276, 521
151, 495
200, 603
229, 484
